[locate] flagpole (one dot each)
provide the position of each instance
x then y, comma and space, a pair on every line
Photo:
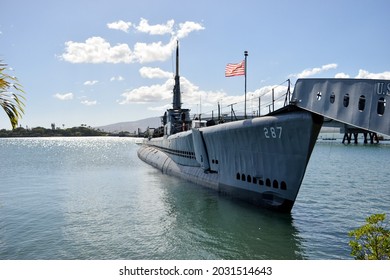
246, 55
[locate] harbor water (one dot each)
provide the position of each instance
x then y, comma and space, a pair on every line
92, 198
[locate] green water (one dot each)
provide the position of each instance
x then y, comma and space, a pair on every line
92, 198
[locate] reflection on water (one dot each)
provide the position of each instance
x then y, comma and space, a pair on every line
204, 225
160, 217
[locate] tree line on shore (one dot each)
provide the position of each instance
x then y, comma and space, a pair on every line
68, 132
45, 132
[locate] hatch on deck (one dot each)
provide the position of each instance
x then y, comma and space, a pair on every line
198, 123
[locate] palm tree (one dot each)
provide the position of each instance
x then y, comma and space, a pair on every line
11, 102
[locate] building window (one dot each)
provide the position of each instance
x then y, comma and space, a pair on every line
362, 103
332, 98
346, 100
381, 106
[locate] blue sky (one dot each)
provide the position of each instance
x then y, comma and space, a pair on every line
102, 62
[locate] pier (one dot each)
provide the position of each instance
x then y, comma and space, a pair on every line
354, 132
351, 134
357, 106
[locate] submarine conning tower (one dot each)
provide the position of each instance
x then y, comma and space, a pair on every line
176, 119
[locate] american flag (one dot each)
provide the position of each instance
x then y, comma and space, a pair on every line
237, 69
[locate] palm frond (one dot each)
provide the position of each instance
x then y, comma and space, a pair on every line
11, 102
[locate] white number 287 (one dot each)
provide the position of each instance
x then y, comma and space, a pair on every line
273, 132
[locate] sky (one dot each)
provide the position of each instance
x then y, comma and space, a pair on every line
103, 62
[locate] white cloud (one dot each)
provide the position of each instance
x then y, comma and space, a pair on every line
150, 73
313, 71
363, 74
341, 76
120, 25
117, 78
187, 27
97, 50
90, 83
192, 96
64, 96
153, 93
89, 102
157, 29
157, 51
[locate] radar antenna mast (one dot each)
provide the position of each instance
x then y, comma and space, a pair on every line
176, 88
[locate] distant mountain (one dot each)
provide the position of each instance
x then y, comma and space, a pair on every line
132, 126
